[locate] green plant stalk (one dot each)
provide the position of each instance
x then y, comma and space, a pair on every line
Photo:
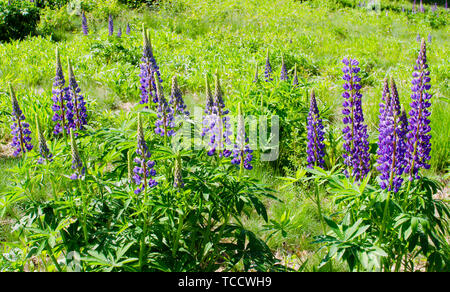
144, 229
177, 237
319, 209
385, 214
49, 250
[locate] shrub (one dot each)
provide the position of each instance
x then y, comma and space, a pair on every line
17, 20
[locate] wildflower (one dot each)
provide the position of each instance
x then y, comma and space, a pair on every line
43, 148
148, 70
110, 25
208, 122
60, 98
119, 32
418, 137
356, 144
429, 38
165, 122
128, 30
78, 105
144, 170
418, 38
421, 7
20, 130
315, 145
268, 69
77, 164
414, 7
295, 79
84, 24
177, 175
242, 154
176, 99
391, 142
283, 74
256, 78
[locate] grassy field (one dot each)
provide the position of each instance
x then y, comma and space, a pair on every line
193, 38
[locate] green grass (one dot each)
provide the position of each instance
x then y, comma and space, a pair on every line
193, 38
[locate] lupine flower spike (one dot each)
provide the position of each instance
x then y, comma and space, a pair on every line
77, 164
20, 130
418, 137
391, 142
268, 68
43, 148
177, 175
78, 105
315, 146
283, 74
148, 70
110, 25
356, 144
165, 123
242, 154
119, 32
208, 121
256, 78
60, 100
84, 25
128, 30
429, 38
176, 99
295, 79
418, 38
144, 170
221, 130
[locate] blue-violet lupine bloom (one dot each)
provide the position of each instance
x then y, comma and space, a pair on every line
268, 68
84, 25
176, 99
391, 142
356, 144
61, 100
165, 123
208, 118
77, 164
422, 9
418, 137
20, 130
128, 30
77, 101
295, 79
315, 145
148, 70
418, 38
110, 25
144, 170
242, 154
429, 38
220, 125
119, 32
44, 152
283, 74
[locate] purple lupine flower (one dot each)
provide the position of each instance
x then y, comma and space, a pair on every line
84, 25
414, 7
119, 32
176, 99
403, 9
283, 74
144, 170
148, 70
418, 137
242, 154
165, 123
421, 7
256, 77
61, 100
356, 144
20, 130
418, 38
429, 38
268, 68
77, 164
44, 152
208, 122
110, 25
315, 145
434, 8
391, 142
217, 123
177, 175
78, 108
295, 79
128, 30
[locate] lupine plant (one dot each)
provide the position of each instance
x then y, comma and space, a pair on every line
20, 130
316, 146
78, 105
149, 69
84, 24
283, 74
268, 68
110, 25
61, 101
